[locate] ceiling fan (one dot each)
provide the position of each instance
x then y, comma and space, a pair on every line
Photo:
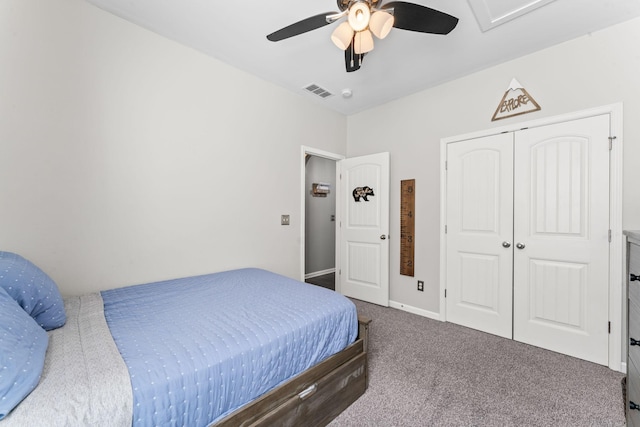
367, 17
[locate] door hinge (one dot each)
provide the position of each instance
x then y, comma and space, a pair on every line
609, 327
445, 229
446, 165
611, 138
609, 236
445, 293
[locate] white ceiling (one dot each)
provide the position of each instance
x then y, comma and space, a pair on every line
403, 63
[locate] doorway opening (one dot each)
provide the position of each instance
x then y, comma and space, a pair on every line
318, 220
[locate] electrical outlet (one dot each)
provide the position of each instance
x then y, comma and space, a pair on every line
284, 219
421, 285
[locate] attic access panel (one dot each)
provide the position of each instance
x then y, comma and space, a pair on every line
491, 13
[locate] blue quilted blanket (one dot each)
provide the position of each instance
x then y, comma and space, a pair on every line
198, 348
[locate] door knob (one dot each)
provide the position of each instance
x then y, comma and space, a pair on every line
520, 245
506, 244
383, 237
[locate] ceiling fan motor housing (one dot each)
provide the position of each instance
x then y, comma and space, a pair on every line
345, 4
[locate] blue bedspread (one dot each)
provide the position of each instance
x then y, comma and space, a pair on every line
200, 347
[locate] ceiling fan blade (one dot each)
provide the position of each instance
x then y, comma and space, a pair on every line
414, 17
301, 27
352, 60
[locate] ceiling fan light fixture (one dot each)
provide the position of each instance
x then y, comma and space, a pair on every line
359, 16
381, 24
342, 36
363, 42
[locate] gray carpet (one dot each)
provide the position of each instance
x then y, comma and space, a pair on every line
429, 373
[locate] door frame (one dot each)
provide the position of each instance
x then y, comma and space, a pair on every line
303, 192
617, 246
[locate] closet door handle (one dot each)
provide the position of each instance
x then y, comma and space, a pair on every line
506, 244
520, 245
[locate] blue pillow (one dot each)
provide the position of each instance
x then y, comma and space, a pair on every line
23, 344
36, 293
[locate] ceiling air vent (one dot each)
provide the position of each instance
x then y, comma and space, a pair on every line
317, 90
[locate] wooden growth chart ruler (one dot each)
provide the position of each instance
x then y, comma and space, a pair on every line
407, 225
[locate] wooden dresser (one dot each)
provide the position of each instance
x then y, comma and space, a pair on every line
633, 328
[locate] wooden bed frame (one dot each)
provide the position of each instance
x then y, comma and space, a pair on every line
315, 396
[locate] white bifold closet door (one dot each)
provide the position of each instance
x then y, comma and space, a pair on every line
527, 238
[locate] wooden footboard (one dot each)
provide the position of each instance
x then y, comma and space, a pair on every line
315, 396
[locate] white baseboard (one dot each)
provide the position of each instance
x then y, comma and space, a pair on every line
623, 367
415, 310
319, 273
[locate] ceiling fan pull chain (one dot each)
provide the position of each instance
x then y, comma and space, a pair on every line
352, 52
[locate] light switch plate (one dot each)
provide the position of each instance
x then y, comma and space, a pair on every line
284, 219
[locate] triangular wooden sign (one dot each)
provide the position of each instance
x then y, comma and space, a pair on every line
516, 101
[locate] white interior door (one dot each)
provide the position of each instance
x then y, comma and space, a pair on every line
479, 233
561, 260
364, 228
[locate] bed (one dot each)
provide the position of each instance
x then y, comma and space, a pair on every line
242, 347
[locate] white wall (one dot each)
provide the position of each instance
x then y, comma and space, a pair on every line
591, 71
127, 158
